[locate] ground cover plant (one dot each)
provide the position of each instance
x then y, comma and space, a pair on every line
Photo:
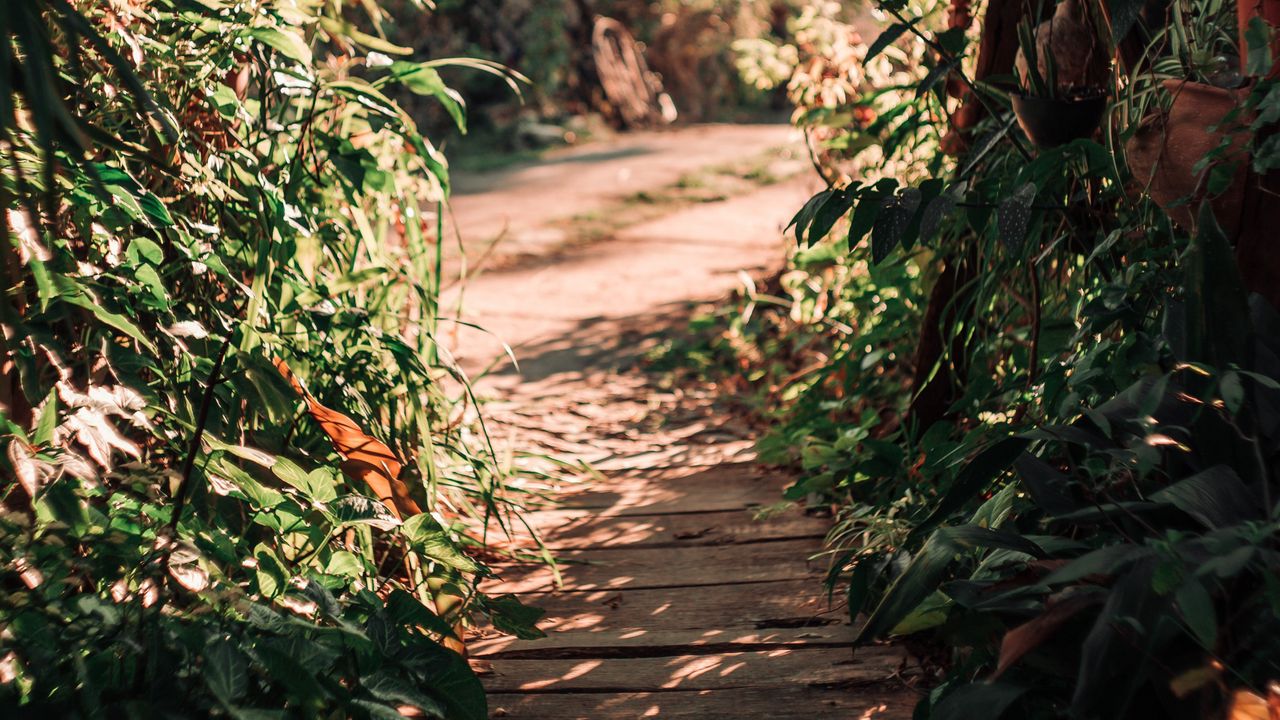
1037, 385
239, 470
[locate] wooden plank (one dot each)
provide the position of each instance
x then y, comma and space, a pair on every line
780, 667
585, 529
611, 623
731, 487
631, 569
655, 643
757, 606
878, 702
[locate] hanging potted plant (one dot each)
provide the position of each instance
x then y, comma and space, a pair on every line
1193, 148
1063, 68
1202, 144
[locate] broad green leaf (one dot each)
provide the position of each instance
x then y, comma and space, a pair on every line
262, 497
1257, 37
920, 579
1123, 14
361, 510
225, 670
147, 249
427, 537
147, 275
831, 210
344, 564
389, 688
289, 43
1104, 561
448, 677
72, 292
155, 209
424, 80
271, 574
43, 434
58, 501
1013, 217
1216, 497
1196, 607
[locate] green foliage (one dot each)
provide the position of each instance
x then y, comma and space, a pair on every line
192, 191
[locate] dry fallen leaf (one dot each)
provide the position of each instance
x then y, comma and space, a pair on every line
369, 460
1030, 635
365, 457
1248, 705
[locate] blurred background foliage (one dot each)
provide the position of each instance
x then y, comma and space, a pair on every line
696, 47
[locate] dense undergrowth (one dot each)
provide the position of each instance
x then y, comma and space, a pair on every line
239, 469
1045, 411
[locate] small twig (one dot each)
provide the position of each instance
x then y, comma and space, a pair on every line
184, 487
952, 60
815, 161
1033, 360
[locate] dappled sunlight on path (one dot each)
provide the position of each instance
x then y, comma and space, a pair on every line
687, 589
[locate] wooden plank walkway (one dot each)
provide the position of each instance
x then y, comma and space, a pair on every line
677, 603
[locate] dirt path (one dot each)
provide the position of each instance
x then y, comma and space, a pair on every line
676, 602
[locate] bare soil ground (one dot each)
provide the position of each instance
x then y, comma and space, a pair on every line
675, 601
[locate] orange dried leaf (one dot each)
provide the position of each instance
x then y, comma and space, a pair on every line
370, 461
366, 458
1030, 635
1248, 705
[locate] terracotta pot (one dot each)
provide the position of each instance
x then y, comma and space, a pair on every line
1050, 123
1164, 152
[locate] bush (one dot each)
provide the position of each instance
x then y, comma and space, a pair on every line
218, 230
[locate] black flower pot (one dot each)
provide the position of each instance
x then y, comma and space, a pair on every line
1052, 122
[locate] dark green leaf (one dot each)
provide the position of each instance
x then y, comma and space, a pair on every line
1123, 13
1215, 497
804, 217
921, 578
1110, 663
1257, 37
1049, 489
389, 688
515, 618
1196, 607
226, 671
978, 700
985, 467
885, 39
424, 80
428, 538
362, 510
1103, 561
449, 678
831, 210
1013, 217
